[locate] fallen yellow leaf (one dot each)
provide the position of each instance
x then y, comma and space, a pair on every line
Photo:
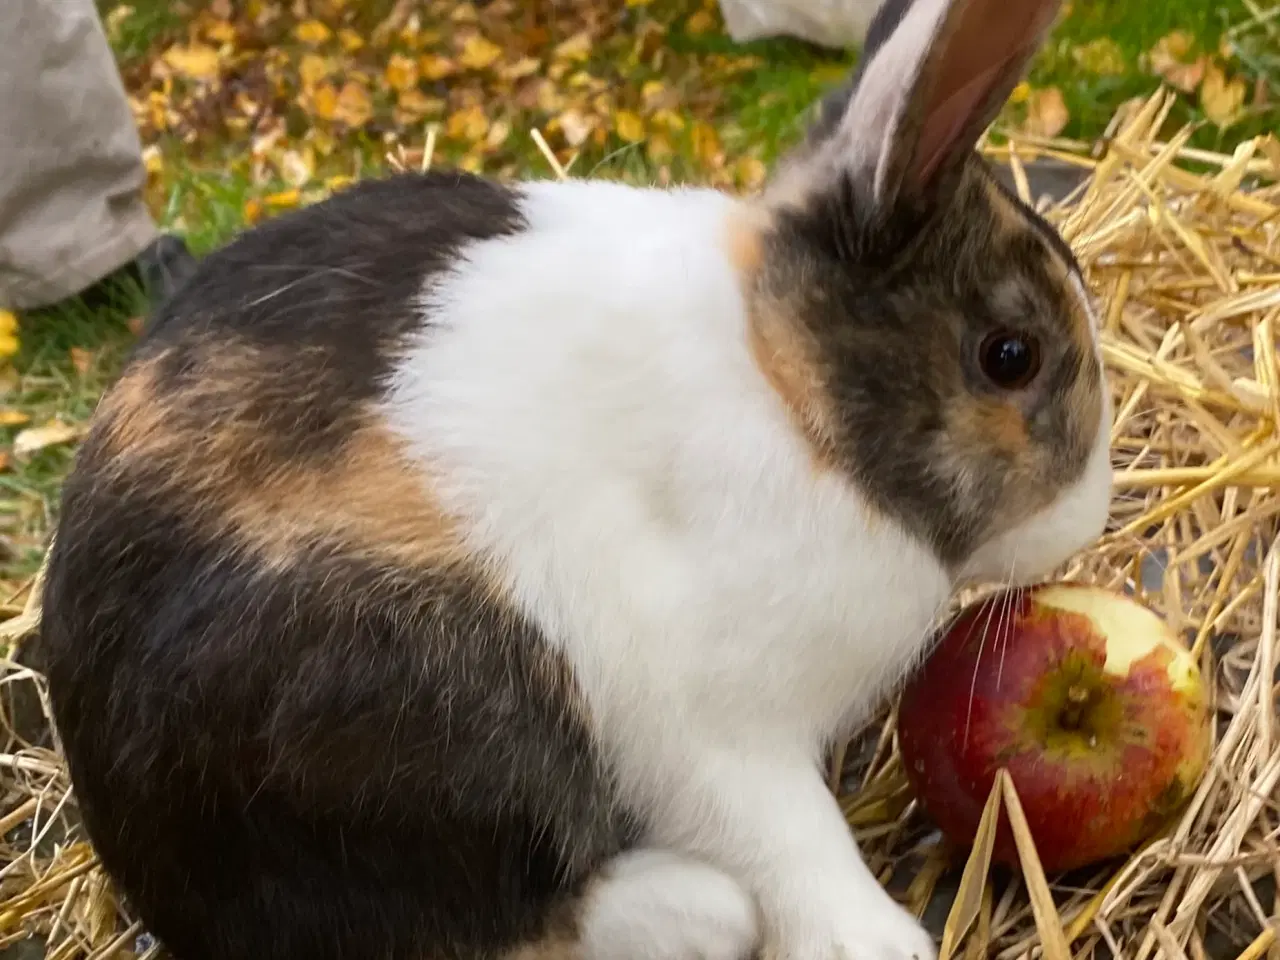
220, 31
469, 124
584, 80
524, 67
497, 135
13, 418
701, 22
1020, 93
416, 105
354, 106
1047, 113
575, 126
549, 98
750, 172
654, 94
649, 43
464, 13
1171, 60
401, 73
324, 102
34, 439
1102, 56
313, 68
1270, 148
284, 200
479, 53
628, 126
706, 144
577, 47
659, 148
436, 67
312, 32
322, 140
8, 322
350, 40
113, 20
152, 159
669, 119
410, 34
195, 62
157, 110
297, 166
1220, 98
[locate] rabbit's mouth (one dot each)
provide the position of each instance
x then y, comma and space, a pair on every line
1032, 550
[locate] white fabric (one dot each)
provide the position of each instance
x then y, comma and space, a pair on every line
829, 23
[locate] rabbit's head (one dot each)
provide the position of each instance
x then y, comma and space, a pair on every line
932, 335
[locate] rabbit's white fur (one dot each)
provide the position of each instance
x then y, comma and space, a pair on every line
658, 905
584, 396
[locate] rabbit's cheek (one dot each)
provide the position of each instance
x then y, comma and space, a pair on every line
1048, 538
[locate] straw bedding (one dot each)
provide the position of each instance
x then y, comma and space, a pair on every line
1183, 248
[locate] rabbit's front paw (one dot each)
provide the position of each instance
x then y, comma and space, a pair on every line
865, 926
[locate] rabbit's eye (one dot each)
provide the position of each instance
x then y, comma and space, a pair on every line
1009, 359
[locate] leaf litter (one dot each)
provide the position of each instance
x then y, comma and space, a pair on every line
311, 84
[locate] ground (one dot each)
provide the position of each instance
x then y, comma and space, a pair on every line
253, 106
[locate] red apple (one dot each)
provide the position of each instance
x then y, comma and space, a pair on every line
1087, 699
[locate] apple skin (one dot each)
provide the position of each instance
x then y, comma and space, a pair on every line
1099, 715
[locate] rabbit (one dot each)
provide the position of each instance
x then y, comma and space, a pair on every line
473, 570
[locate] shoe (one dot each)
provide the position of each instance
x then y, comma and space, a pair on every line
157, 272
164, 267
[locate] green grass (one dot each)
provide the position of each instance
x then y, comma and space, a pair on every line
147, 21
68, 355
1134, 27
205, 188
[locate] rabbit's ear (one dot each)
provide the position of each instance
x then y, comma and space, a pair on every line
933, 75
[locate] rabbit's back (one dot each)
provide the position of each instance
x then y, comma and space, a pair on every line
300, 721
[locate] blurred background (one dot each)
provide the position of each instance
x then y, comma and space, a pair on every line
246, 108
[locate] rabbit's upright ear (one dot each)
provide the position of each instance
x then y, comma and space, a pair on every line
933, 75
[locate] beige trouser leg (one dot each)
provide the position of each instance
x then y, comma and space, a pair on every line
71, 171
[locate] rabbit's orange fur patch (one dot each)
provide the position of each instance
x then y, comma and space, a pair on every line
129, 416
367, 501
786, 360
559, 939
365, 498
779, 348
745, 244
1001, 423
